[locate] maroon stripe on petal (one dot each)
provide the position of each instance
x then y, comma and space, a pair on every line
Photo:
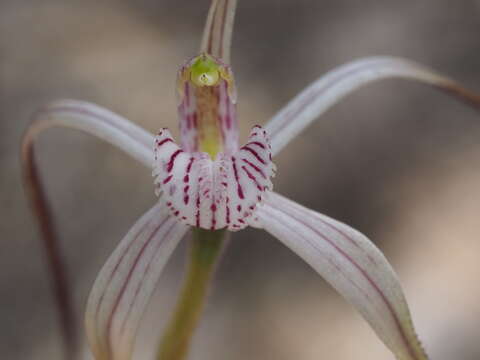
197, 214
254, 153
235, 172
189, 167
255, 167
167, 179
163, 142
258, 143
253, 178
172, 159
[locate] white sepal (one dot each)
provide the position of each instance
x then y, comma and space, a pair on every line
123, 287
352, 264
335, 85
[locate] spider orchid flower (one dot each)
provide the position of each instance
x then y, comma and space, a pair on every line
213, 183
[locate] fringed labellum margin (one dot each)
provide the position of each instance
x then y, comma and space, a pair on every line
213, 194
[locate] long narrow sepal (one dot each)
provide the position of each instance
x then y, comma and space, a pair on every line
124, 285
95, 121
351, 264
338, 83
217, 36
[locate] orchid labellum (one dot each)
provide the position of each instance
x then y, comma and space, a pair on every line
212, 183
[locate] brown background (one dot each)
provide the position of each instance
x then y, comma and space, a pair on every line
396, 160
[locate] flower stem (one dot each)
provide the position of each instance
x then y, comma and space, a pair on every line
206, 250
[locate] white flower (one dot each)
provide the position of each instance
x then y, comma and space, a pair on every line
212, 182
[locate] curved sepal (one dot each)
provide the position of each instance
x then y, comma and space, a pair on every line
213, 194
124, 285
332, 87
94, 120
351, 264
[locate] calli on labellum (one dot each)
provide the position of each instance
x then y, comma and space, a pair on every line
210, 182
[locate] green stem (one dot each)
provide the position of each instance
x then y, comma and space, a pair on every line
205, 252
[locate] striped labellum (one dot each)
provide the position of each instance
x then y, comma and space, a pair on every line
213, 194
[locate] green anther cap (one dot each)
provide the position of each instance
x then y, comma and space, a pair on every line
205, 71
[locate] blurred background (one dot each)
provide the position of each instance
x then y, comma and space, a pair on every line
396, 160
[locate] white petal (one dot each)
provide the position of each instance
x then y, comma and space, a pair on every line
338, 83
96, 121
217, 36
123, 288
213, 194
351, 264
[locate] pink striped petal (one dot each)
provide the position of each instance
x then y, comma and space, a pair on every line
213, 194
123, 288
338, 83
351, 264
217, 36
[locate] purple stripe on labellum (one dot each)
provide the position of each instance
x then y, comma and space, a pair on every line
213, 208
227, 220
172, 159
257, 143
254, 153
189, 167
167, 179
235, 172
197, 215
255, 167
163, 142
253, 178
